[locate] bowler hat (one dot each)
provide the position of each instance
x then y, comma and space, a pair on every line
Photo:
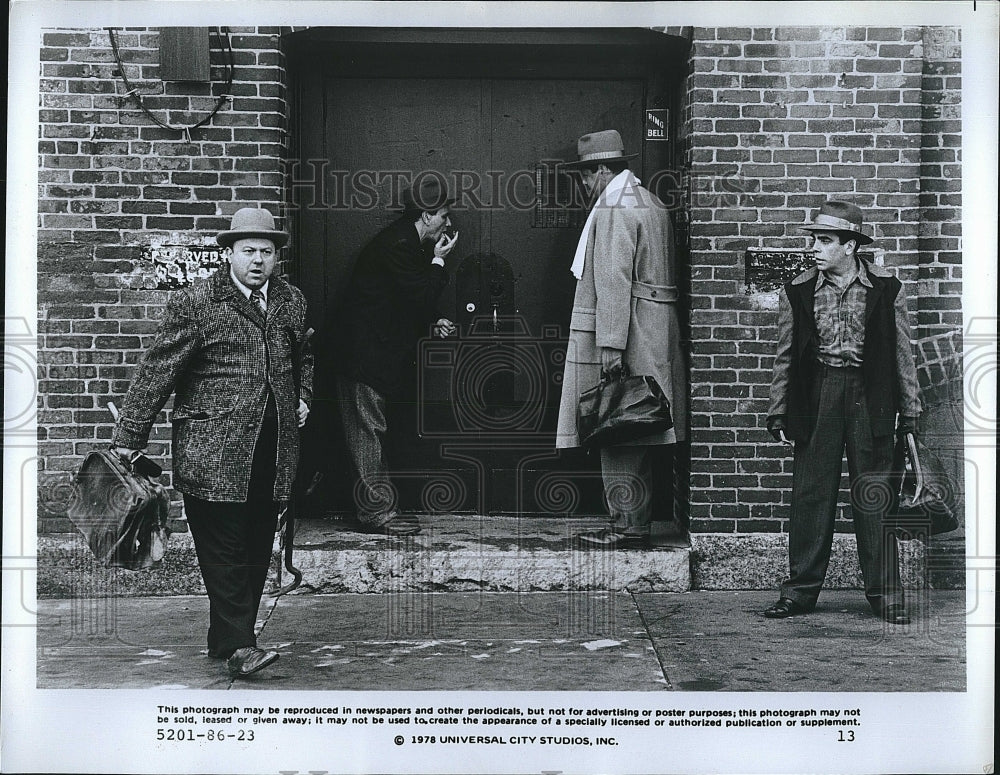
598, 147
839, 216
429, 193
252, 222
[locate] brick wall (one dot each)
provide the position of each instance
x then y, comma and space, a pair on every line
112, 183
776, 120
788, 117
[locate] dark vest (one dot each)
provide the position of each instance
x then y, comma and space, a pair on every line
878, 356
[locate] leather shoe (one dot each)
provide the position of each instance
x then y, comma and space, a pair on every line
395, 527
249, 659
611, 539
895, 614
599, 539
786, 607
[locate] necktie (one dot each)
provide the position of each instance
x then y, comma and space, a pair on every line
258, 299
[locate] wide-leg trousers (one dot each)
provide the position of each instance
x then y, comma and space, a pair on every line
628, 487
843, 422
363, 418
234, 542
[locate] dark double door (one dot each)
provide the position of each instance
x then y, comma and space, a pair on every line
478, 431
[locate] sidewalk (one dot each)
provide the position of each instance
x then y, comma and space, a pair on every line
514, 641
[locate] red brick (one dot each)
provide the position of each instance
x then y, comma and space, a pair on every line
737, 125
853, 111
169, 224
852, 141
796, 34
165, 192
141, 207
731, 33
884, 33
765, 50
879, 65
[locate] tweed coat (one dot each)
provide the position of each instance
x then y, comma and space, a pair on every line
390, 303
626, 298
217, 353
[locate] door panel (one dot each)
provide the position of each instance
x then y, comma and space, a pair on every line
482, 425
379, 129
534, 121
381, 133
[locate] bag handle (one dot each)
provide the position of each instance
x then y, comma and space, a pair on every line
623, 374
911, 445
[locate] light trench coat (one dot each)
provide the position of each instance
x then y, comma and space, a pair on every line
627, 299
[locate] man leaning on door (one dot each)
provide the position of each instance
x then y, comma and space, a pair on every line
390, 304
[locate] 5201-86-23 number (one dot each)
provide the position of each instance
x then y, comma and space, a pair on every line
182, 735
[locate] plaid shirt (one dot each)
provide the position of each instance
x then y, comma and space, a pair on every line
840, 318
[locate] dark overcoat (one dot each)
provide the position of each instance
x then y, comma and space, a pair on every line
217, 353
390, 303
626, 299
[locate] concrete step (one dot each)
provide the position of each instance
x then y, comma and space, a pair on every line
456, 553
452, 553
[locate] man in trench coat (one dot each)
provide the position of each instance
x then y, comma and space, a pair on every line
232, 349
624, 314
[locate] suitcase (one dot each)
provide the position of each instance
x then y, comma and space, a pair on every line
924, 497
121, 512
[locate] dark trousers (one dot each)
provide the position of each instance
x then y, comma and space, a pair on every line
234, 543
362, 416
843, 421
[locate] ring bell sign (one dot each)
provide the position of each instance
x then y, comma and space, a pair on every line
657, 122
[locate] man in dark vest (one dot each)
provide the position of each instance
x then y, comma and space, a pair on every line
843, 371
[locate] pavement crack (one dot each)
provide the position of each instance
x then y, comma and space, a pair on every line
272, 604
652, 640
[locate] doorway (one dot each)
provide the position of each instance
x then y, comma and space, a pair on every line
492, 112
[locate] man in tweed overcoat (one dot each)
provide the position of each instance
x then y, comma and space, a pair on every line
233, 351
624, 313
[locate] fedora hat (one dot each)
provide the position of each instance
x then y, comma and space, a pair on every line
596, 147
252, 222
428, 193
839, 216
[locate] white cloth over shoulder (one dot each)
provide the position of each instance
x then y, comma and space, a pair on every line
618, 193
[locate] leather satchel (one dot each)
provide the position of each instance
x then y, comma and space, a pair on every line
924, 494
121, 512
622, 409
